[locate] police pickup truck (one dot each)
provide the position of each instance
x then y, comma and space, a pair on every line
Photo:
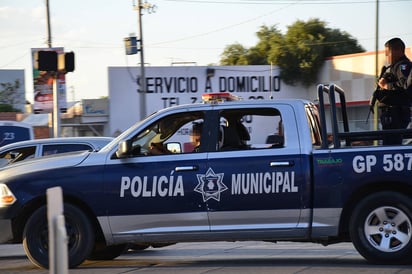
264, 170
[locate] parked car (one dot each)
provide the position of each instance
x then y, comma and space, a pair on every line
23, 150
13, 131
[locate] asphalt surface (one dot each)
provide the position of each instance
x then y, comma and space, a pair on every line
219, 257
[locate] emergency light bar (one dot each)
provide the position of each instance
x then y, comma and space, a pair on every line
219, 97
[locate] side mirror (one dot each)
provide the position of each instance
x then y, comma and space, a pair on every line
174, 147
124, 149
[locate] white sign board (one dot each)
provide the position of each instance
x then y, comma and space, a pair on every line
169, 86
43, 86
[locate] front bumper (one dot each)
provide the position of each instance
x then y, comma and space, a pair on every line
6, 234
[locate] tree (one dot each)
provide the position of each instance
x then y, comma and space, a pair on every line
341, 43
7, 108
269, 37
300, 53
234, 54
9, 96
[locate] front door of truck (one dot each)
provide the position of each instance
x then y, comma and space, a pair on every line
152, 191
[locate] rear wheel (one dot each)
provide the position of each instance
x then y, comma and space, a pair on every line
381, 228
79, 234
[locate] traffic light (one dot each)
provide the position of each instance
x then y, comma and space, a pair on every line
130, 44
45, 60
66, 62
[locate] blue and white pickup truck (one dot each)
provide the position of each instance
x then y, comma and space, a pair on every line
264, 170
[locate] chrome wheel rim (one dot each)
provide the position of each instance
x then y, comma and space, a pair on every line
388, 229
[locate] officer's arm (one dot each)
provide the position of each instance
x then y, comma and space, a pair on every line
384, 84
408, 82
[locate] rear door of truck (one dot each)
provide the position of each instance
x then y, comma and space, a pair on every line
261, 186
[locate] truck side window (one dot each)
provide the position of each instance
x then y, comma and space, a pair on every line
169, 135
251, 129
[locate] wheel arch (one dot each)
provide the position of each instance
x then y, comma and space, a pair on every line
29, 208
364, 191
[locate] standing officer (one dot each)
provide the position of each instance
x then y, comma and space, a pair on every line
394, 91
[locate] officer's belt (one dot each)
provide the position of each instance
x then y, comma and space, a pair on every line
387, 108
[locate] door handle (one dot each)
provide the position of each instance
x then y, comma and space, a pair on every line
282, 164
186, 168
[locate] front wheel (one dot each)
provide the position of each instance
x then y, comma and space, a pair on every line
381, 228
79, 234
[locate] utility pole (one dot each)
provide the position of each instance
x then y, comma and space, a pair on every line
375, 112
141, 7
142, 67
49, 39
55, 114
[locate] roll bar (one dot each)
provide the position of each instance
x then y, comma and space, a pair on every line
349, 137
331, 90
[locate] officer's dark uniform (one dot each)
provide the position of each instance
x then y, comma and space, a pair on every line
394, 103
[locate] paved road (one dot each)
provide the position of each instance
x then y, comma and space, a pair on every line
221, 257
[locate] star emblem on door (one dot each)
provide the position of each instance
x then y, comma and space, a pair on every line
210, 185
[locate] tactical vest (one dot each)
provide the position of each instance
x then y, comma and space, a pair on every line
401, 93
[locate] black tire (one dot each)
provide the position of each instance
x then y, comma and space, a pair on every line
79, 234
138, 246
160, 245
103, 252
381, 228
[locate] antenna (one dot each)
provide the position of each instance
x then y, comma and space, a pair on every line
271, 80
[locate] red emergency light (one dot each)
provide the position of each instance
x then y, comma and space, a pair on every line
219, 97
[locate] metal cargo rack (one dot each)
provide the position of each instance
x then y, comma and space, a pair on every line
346, 136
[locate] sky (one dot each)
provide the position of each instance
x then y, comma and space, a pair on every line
175, 32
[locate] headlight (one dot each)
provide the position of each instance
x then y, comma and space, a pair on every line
6, 196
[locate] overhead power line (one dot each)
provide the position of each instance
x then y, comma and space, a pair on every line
226, 27
283, 2
15, 60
